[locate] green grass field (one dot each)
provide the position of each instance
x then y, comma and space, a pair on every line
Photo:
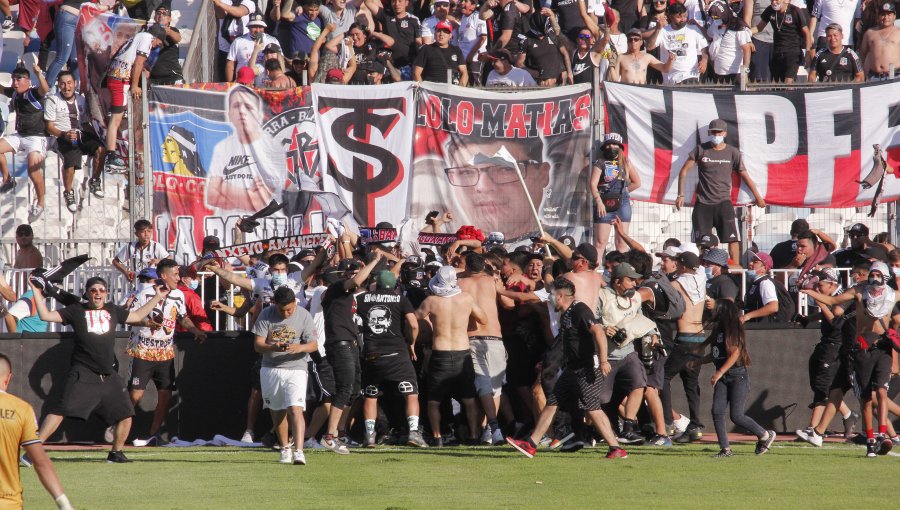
791, 475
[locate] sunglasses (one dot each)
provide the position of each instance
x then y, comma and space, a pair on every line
97, 290
636, 38
584, 36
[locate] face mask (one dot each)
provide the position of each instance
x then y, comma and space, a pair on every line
610, 153
194, 284
606, 275
709, 273
629, 293
876, 280
717, 139
896, 271
751, 275
776, 6
279, 279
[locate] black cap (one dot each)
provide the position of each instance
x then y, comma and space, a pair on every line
689, 260
588, 251
502, 53
635, 31
300, 55
332, 275
349, 265
211, 243
708, 241
307, 252
717, 124
888, 7
859, 228
272, 48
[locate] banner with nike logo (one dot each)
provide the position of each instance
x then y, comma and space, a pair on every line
802, 147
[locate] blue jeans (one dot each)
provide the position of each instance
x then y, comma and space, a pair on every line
64, 28
731, 391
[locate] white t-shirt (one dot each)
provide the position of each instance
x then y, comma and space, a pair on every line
224, 44
57, 111
428, 30
516, 77
241, 166
835, 11
318, 314
767, 292
687, 44
156, 344
136, 258
727, 48
120, 66
471, 28
242, 49
263, 288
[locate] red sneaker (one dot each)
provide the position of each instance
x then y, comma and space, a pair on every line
524, 447
618, 453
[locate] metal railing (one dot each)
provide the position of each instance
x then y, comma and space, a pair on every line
200, 60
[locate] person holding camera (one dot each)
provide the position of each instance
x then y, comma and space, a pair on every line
612, 179
284, 333
152, 348
93, 383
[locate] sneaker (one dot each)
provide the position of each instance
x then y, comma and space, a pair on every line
690, 435
247, 437
896, 440
437, 442
546, 441
114, 164
286, 456
659, 440
8, 23
487, 437
312, 444
681, 424
556, 443
335, 445
415, 439
109, 434
631, 437
8, 186
299, 458
617, 453
117, 457
723, 453
96, 187
497, 436
850, 424
269, 440
34, 212
524, 447
572, 446
150, 441
348, 442
763, 445
369, 439
71, 202
885, 444
871, 448
25, 460
813, 438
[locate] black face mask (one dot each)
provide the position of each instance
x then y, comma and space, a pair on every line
629, 293
610, 153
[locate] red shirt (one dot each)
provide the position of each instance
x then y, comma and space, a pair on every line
195, 310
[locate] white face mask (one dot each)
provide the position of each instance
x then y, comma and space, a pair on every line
896, 271
717, 139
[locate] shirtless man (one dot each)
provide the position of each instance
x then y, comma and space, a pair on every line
486, 344
872, 358
691, 283
880, 47
632, 66
582, 273
450, 370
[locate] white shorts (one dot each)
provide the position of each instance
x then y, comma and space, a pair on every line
27, 144
282, 388
489, 358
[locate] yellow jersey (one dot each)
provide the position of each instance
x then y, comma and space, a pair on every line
18, 427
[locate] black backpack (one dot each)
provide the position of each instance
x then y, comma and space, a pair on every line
676, 301
786, 306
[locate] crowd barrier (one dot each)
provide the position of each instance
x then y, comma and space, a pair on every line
214, 379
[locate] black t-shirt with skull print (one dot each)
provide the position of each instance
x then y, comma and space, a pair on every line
383, 315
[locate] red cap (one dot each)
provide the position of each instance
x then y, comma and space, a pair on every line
764, 258
335, 74
245, 76
443, 25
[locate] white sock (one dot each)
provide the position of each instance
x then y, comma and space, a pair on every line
413, 422
370, 426
849, 412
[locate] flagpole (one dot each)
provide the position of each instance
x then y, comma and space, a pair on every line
531, 204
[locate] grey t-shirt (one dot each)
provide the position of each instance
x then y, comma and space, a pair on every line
715, 168
296, 329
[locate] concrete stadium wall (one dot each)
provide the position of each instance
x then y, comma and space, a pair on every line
214, 378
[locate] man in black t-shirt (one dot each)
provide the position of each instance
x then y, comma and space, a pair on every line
93, 385
783, 253
719, 285
835, 62
167, 69
507, 23
585, 365
435, 60
341, 347
861, 248
406, 30
390, 328
716, 162
543, 58
789, 36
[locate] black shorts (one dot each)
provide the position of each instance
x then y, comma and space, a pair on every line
451, 373
321, 380
580, 388
872, 370
344, 359
824, 364
88, 145
141, 372
395, 370
87, 392
719, 216
785, 65
627, 375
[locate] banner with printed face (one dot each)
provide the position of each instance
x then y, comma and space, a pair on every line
366, 150
221, 152
469, 144
802, 148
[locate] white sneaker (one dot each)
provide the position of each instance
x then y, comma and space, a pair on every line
336, 446
803, 434
681, 424
498, 437
247, 437
813, 438
299, 458
286, 456
312, 444
487, 437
